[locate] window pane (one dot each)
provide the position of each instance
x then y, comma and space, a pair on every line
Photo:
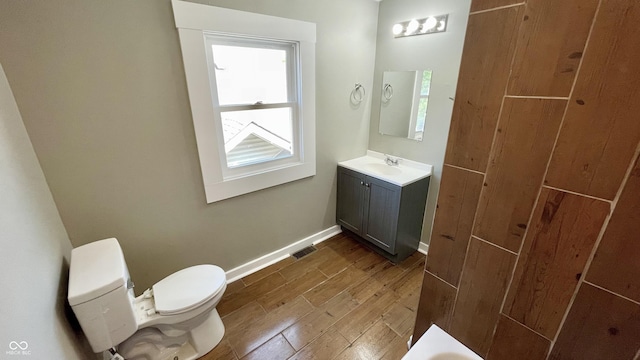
422, 114
426, 83
254, 136
247, 75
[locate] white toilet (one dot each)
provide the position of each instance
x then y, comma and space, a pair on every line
175, 319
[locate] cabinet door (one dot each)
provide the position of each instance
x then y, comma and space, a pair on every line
382, 206
350, 199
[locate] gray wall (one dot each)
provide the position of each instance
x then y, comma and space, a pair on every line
35, 251
439, 52
102, 92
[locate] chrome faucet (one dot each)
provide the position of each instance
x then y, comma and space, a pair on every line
391, 161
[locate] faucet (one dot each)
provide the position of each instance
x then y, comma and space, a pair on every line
391, 161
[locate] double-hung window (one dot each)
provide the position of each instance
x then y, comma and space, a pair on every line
251, 82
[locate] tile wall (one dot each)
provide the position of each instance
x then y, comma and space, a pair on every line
535, 248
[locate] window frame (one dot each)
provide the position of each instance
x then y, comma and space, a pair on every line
193, 22
292, 103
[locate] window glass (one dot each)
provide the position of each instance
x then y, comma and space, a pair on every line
250, 75
255, 136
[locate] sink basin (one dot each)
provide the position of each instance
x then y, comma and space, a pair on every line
373, 164
383, 169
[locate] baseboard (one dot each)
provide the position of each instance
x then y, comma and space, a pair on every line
423, 248
280, 254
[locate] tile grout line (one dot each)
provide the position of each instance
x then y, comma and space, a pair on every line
521, 324
577, 193
612, 292
612, 206
496, 8
437, 277
462, 168
537, 97
494, 245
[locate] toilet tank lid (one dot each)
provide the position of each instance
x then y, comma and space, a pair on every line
96, 269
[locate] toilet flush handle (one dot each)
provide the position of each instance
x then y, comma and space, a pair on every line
130, 284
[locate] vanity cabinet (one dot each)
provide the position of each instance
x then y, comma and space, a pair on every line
385, 215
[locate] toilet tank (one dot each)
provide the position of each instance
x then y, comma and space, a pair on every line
100, 293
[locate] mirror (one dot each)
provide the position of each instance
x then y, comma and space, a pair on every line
403, 103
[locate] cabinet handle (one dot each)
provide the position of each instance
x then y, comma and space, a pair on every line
367, 185
361, 182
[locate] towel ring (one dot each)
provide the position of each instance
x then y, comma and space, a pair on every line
387, 92
358, 94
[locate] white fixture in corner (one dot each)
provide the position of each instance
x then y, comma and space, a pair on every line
436, 344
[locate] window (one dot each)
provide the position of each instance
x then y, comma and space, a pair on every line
251, 82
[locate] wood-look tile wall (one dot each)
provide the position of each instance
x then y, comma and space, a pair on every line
535, 248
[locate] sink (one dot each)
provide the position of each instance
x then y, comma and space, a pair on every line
383, 169
373, 164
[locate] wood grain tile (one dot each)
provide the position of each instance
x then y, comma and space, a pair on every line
362, 291
327, 346
373, 344
409, 282
477, 5
261, 274
240, 298
222, 351
564, 230
512, 340
396, 349
318, 321
292, 289
401, 317
246, 338
243, 315
484, 72
435, 305
457, 203
601, 131
275, 349
615, 266
551, 41
307, 263
485, 277
600, 325
526, 133
234, 287
361, 318
319, 294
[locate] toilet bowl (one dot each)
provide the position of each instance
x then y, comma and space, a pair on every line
174, 319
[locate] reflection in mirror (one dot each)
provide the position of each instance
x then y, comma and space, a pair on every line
403, 106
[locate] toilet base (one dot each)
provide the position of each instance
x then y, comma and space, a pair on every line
152, 344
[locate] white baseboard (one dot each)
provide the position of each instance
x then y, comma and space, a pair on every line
280, 254
423, 248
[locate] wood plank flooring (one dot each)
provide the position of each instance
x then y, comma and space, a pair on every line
342, 301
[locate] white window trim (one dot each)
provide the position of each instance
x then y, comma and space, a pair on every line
192, 21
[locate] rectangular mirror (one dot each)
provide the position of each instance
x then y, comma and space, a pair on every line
403, 103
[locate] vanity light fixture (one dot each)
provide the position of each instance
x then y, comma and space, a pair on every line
429, 25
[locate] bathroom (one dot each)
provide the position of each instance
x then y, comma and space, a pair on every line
101, 89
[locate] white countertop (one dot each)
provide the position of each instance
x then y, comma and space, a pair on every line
373, 164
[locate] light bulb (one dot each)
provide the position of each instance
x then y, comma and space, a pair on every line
441, 25
412, 26
429, 24
397, 29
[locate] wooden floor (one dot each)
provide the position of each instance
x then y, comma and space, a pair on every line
342, 301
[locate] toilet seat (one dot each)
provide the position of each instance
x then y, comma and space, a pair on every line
187, 289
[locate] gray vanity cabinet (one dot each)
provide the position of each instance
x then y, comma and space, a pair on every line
386, 215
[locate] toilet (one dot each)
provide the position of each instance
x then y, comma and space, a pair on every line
175, 319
